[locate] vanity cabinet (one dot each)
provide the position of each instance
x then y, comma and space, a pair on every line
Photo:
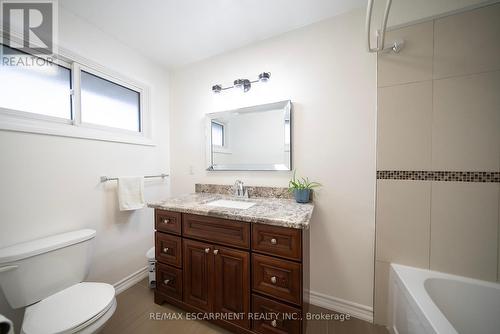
251, 271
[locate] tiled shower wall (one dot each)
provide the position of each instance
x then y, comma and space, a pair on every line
438, 150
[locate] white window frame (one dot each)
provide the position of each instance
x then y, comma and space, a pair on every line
225, 149
22, 121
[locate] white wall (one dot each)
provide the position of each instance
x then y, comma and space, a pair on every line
51, 184
331, 81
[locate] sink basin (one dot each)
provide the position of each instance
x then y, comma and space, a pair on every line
231, 204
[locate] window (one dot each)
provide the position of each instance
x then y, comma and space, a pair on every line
218, 134
71, 97
44, 90
106, 103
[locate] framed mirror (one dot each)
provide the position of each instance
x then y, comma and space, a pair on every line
252, 138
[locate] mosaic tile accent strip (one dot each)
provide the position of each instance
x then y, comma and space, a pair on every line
273, 192
483, 177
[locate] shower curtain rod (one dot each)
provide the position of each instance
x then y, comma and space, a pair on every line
396, 46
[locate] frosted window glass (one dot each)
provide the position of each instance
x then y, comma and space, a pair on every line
217, 134
36, 89
109, 104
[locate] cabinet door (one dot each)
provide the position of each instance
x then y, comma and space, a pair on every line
198, 269
232, 284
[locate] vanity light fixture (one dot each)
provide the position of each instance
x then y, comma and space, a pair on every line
264, 76
243, 84
216, 89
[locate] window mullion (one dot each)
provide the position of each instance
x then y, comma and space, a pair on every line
76, 93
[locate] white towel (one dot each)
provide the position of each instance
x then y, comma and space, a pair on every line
6, 326
131, 193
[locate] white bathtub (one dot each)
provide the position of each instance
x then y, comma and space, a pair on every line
423, 301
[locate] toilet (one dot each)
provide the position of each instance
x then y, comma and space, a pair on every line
45, 276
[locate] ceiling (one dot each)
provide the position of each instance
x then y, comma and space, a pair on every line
177, 32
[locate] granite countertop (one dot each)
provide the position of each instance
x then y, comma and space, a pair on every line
271, 211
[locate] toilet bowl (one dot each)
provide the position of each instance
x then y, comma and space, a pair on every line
46, 275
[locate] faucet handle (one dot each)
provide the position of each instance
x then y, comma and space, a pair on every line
238, 188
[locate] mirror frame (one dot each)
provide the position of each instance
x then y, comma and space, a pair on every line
286, 105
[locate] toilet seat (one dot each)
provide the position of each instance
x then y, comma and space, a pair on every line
70, 310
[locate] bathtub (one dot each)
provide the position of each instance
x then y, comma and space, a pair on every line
423, 301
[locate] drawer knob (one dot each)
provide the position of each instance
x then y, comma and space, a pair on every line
273, 280
207, 250
274, 241
274, 323
166, 221
216, 251
166, 281
165, 250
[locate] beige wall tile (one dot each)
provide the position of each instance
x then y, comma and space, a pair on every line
404, 127
466, 123
381, 292
464, 228
414, 62
467, 43
403, 222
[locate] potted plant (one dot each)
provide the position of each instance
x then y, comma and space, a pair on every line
301, 188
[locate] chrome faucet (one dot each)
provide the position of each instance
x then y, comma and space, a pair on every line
240, 190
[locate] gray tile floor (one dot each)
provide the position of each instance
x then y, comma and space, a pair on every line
136, 304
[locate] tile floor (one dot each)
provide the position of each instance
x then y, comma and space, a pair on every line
135, 305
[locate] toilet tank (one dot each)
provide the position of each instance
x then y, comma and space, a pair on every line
34, 270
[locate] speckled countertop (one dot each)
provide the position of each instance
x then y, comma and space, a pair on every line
271, 211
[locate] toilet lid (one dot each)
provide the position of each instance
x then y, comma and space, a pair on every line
68, 309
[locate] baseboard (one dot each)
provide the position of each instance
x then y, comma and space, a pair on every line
356, 310
130, 280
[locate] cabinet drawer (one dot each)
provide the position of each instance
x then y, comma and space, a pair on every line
168, 221
277, 278
276, 240
169, 281
277, 318
217, 230
168, 249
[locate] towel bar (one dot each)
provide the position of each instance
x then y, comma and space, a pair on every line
106, 178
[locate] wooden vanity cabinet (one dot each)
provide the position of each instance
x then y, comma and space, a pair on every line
233, 267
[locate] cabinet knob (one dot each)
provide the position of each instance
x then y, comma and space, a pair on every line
273, 280
166, 281
274, 323
166, 221
207, 250
216, 251
165, 250
274, 241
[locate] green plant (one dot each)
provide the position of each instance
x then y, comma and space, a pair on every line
301, 183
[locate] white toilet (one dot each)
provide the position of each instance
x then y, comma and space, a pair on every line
46, 275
